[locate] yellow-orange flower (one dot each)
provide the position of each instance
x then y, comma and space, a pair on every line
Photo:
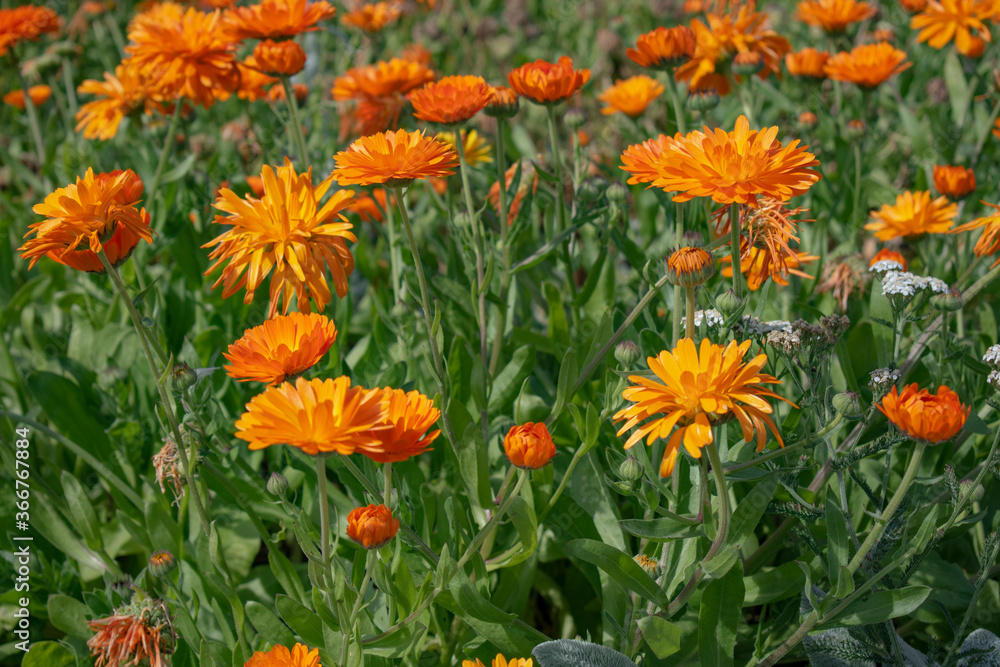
290, 231
547, 83
97, 212
253, 82
913, 214
807, 62
886, 255
967, 22
383, 79
276, 19
697, 389
277, 93
25, 23
528, 176
39, 95
477, 149
453, 99
923, 415
663, 48
283, 58
283, 346
833, 15
409, 416
955, 182
759, 265
631, 96
371, 208
281, 656
688, 266
372, 16
913, 6
137, 633
317, 416
372, 527
989, 241
119, 95
529, 445
501, 661
733, 167
394, 158
503, 102
867, 65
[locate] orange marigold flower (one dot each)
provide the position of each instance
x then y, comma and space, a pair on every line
913, 214
283, 346
289, 230
759, 265
529, 180
631, 96
501, 661
808, 119
807, 62
697, 389
841, 278
25, 23
120, 94
967, 22
416, 52
280, 656
317, 416
371, 115
276, 19
989, 241
253, 82
529, 445
382, 79
393, 158
279, 58
39, 95
372, 527
256, 184
954, 182
886, 255
409, 416
913, 6
97, 212
867, 65
689, 266
834, 15
733, 167
663, 48
548, 83
277, 93
371, 208
372, 16
453, 99
503, 102
925, 416
137, 633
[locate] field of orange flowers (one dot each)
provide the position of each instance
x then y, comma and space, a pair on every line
500, 332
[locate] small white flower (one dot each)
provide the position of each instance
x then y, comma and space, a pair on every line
992, 356
901, 283
713, 317
755, 327
936, 285
882, 378
993, 379
885, 265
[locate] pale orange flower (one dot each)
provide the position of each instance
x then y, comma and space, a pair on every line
277, 93
925, 416
867, 65
39, 95
529, 180
913, 214
372, 527
383, 79
891, 256
281, 656
663, 48
284, 58
409, 416
370, 115
807, 62
808, 119
253, 82
120, 95
25, 23
913, 6
371, 208
280, 347
276, 19
453, 99
834, 15
989, 241
548, 83
631, 96
393, 158
372, 16
529, 445
416, 52
758, 265
967, 22
954, 182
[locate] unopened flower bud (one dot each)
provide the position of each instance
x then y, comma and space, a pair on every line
183, 377
630, 469
463, 220
617, 193
277, 484
689, 267
627, 352
974, 491
372, 527
703, 100
529, 445
162, 563
651, 567
747, 63
949, 301
848, 404
728, 302
587, 192
574, 119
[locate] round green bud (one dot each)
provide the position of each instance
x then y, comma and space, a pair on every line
183, 377
574, 119
630, 470
728, 302
627, 352
974, 491
848, 404
617, 193
162, 563
949, 301
277, 484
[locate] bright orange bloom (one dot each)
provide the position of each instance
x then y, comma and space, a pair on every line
453, 99
314, 415
97, 212
372, 527
733, 167
277, 93
759, 265
371, 208
973, 48
892, 256
136, 633
688, 266
548, 83
529, 445
253, 82
279, 58
289, 230
256, 184
372, 16
696, 390
967, 22
913, 6
954, 182
923, 415
120, 94
501, 661
808, 119
370, 115
842, 278
663, 48
631, 96
25, 23
383, 79
807, 62
280, 656
883, 35
503, 102
394, 158
834, 15
528, 176
989, 241
410, 416
276, 19
39, 95
282, 346
867, 65
913, 214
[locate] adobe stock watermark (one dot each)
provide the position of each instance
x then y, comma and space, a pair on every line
22, 524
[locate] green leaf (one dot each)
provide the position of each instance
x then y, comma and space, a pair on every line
880, 310
958, 87
268, 624
748, 513
836, 535
663, 637
522, 515
508, 381
48, 654
303, 621
69, 615
880, 607
164, 533
180, 170
620, 567
558, 326
775, 584
719, 617
576, 653
568, 372
663, 529
62, 401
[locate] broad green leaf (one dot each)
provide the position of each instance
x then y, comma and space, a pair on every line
747, 514
620, 567
303, 622
718, 618
62, 401
568, 373
880, 607
836, 536
662, 529
576, 653
880, 312
775, 584
268, 624
958, 87
663, 637
48, 654
69, 615
508, 381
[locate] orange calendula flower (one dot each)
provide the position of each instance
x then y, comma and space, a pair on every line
886, 255
808, 119
39, 95
409, 416
730, 167
989, 241
276, 19
317, 416
867, 65
807, 62
548, 83
290, 231
503, 102
277, 93
372, 16
913, 214
283, 58
663, 48
120, 95
759, 265
453, 99
913, 6
371, 208
137, 633
843, 277
253, 82
922, 415
834, 15
383, 79
97, 212
529, 180
954, 182
967, 22
631, 96
283, 346
25, 23
698, 388
372, 527
501, 661
393, 158
529, 445
281, 656
688, 266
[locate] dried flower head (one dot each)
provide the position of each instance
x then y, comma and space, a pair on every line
140, 632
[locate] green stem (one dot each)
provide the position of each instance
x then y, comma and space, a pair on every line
390, 221
168, 143
293, 110
477, 242
734, 248
981, 141
29, 107
67, 72
857, 184
562, 483
689, 293
348, 631
789, 449
675, 99
718, 472
501, 322
324, 519
557, 167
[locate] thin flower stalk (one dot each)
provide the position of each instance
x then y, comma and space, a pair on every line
501, 321
293, 111
734, 247
477, 242
29, 107
352, 619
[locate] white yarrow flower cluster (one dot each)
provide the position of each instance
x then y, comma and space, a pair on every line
713, 317
992, 356
885, 266
993, 379
904, 283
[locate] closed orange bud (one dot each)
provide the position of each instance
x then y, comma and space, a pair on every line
529, 445
279, 58
923, 415
954, 182
39, 95
372, 527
